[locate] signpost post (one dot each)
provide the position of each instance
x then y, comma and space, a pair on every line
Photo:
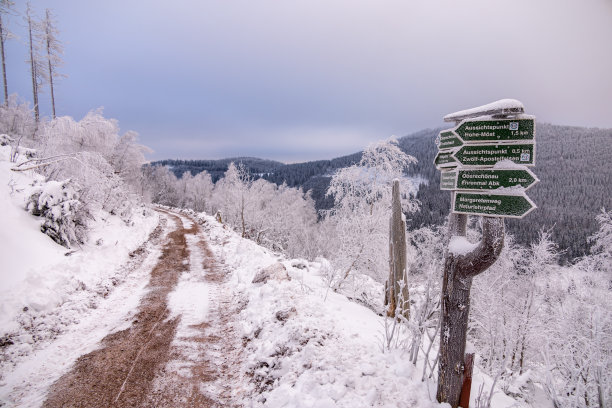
483, 161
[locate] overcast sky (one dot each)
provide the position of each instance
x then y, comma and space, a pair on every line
299, 80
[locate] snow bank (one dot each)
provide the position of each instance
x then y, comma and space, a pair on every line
37, 275
306, 346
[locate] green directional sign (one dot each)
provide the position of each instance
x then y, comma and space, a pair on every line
448, 180
486, 179
494, 178
488, 155
513, 206
445, 159
496, 130
448, 140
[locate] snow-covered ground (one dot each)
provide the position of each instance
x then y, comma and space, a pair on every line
306, 346
303, 345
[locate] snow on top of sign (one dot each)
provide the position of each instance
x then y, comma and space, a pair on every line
503, 106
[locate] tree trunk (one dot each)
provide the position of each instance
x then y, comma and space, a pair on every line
397, 287
33, 70
3, 63
242, 215
49, 62
455, 303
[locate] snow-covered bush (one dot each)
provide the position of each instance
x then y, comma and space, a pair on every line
65, 216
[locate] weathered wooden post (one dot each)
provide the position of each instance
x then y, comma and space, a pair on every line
396, 295
469, 156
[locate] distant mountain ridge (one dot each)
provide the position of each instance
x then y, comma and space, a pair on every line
572, 163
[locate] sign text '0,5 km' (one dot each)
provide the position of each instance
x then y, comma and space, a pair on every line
514, 206
488, 155
496, 130
486, 179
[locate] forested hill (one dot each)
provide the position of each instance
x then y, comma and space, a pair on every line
216, 168
572, 164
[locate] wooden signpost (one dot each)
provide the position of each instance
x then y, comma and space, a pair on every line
484, 161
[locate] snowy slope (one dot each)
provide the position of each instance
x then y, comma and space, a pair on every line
306, 346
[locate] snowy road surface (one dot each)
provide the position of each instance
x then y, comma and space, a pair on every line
149, 343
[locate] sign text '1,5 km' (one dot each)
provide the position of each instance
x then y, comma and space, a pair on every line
496, 130
486, 179
488, 155
514, 206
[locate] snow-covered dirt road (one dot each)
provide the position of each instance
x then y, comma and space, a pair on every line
169, 356
162, 337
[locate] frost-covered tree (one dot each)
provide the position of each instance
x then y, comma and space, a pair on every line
162, 185
91, 152
232, 196
37, 69
16, 120
360, 217
602, 242
52, 50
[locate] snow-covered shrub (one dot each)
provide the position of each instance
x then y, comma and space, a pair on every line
65, 216
17, 121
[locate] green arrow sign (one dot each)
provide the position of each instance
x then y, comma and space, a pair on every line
489, 179
496, 130
445, 159
488, 155
448, 140
513, 206
494, 178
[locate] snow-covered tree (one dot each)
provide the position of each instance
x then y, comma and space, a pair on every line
52, 51
232, 195
37, 68
360, 217
602, 242
16, 120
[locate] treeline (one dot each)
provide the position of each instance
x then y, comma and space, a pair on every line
217, 168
